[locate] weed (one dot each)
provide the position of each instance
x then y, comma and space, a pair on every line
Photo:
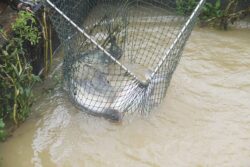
185, 6
16, 74
2, 131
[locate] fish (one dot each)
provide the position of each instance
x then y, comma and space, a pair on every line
91, 90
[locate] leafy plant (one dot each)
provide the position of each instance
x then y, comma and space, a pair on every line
2, 131
16, 74
231, 14
185, 6
211, 10
25, 28
215, 15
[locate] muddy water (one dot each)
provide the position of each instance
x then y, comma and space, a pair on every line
204, 121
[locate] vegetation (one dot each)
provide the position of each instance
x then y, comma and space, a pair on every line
16, 74
215, 14
212, 10
2, 131
48, 55
185, 6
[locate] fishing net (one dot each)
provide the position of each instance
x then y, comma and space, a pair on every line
120, 54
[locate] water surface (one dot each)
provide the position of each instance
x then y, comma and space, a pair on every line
203, 122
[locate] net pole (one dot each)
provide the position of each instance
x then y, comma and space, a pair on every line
95, 43
191, 18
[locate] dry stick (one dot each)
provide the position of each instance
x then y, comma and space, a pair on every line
45, 35
50, 43
15, 106
237, 14
15, 98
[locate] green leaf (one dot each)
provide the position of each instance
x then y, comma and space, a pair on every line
15, 69
5, 53
209, 5
2, 124
218, 4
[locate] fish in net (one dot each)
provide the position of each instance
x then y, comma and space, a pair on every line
120, 55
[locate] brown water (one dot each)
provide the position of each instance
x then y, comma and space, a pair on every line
204, 121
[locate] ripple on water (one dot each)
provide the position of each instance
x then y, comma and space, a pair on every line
204, 120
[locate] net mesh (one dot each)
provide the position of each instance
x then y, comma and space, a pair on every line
120, 55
